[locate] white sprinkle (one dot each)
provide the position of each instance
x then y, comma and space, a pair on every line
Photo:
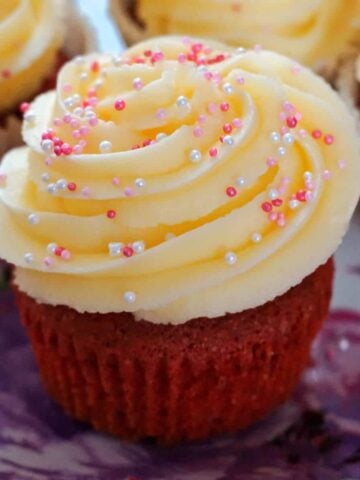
79, 60
69, 102
116, 60
344, 344
228, 88
275, 137
61, 184
51, 188
308, 176
33, 219
84, 76
29, 116
273, 193
240, 181
281, 151
140, 183
29, 258
293, 204
47, 145
230, 258
240, 51
256, 237
105, 146
160, 136
288, 138
139, 247
51, 248
182, 101
130, 297
98, 83
78, 112
228, 140
45, 177
195, 156
115, 248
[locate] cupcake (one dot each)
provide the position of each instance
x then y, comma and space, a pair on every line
301, 30
37, 37
172, 220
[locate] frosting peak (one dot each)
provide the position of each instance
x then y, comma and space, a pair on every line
180, 179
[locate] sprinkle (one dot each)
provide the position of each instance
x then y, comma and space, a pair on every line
128, 251
51, 248
296, 69
119, 104
95, 67
129, 297
271, 162
139, 247
211, 107
202, 118
275, 137
85, 192
257, 48
273, 216
45, 177
115, 249
329, 139
291, 122
282, 151
140, 183
230, 258
51, 188
195, 156
111, 214
277, 202
326, 175
288, 138
66, 149
47, 145
231, 192
240, 80
115, 181
316, 134
273, 193
182, 101
293, 204
160, 136
128, 191
33, 219
213, 152
227, 128
228, 140
29, 258
224, 107
58, 251
341, 164
266, 206
256, 237
161, 114
65, 255
181, 58
237, 123
48, 261
105, 146
228, 88
24, 107
198, 132
29, 116
308, 176
301, 195
71, 186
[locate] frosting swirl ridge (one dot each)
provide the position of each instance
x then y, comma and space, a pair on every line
179, 180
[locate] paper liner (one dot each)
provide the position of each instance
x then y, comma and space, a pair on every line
80, 38
140, 380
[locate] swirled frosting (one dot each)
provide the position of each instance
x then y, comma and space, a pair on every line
179, 180
313, 32
31, 32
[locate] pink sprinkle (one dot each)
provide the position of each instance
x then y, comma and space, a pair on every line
224, 107
48, 261
271, 162
282, 116
208, 75
284, 130
181, 58
213, 152
202, 118
66, 149
197, 47
161, 114
309, 185
119, 104
77, 149
111, 214
285, 181
58, 151
67, 118
298, 116
198, 132
281, 222
326, 174
49, 161
257, 48
212, 107
266, 206
273, 216
309, 196
301, 195
74, 123
128, 251
24, 107
84, 130
288, 107
93, 121
128, 191
72, 186
67, 87
291, 122
57, 122
237, 123
231, 192
137, 84
296, 69
329, 139
341, 164
65, 255
76, 134
115, 181
227, 128
316, 134
277, 202
85, 192
302, 133
240, 80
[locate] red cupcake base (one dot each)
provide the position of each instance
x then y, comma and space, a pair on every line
174, 383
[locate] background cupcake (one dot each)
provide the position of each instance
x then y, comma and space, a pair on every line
172, 221
316, 34
37, 37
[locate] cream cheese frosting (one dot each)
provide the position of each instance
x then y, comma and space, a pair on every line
31, 32
315, 32
178, 180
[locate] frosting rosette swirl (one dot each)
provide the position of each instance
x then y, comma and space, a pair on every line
303, 30
181, 179
31, 32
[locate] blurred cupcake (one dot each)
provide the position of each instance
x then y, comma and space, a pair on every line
316, 34
37, 37
172, 221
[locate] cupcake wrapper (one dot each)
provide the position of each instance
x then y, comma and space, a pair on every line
139, 380
80, 38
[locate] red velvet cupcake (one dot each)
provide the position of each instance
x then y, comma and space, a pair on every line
37, 38
172, 222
